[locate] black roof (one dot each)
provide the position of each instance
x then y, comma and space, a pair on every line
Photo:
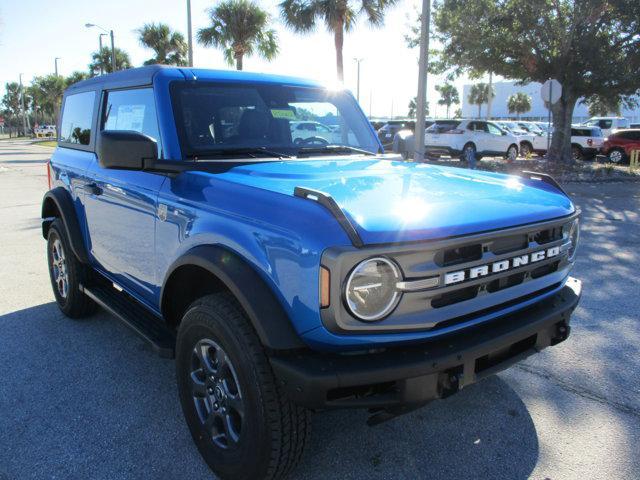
122, 78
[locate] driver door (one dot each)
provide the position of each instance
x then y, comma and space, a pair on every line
122, 205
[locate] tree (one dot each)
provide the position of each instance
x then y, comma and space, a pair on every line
413, 107
590, 46
448, 95
479, 94
169, 46
47, 94
457, 113
11, 99
239, 28
519, 103
339, 16
75, 77
102, 58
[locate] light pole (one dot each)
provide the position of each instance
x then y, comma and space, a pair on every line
24, 111
113, 48
189, 34
422, 81
100, 51
358, 60
56, 64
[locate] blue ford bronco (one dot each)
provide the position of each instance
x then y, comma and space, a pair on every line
294, 270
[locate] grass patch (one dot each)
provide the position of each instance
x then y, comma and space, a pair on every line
47, 143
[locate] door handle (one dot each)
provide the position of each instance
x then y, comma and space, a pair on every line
92, 189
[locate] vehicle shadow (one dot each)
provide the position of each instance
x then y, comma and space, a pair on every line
88, 399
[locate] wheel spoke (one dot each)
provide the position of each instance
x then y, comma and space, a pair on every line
198, 387
221, 360
236, 404
229, 429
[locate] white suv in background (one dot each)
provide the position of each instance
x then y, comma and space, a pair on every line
470, 139
607, 124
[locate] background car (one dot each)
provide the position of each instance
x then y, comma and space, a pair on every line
619, 145
527, 141
607, 124
389, 130
585, 142
470, 139
304, 130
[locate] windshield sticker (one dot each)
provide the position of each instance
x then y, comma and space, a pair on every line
283, 113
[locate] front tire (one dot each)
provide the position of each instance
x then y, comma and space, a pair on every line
242, 422
67, 273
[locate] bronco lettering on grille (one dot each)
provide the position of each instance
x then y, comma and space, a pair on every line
500, 266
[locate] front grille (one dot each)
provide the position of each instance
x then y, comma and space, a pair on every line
495, 308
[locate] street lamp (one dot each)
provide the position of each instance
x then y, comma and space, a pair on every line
113, 48
358, 60
24, 111
56, 64
100, 50
189, 34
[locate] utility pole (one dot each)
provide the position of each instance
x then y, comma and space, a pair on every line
56, 64
113, 53
100, 51
189, 33
358, 60
422, 81
490, 100
24, 111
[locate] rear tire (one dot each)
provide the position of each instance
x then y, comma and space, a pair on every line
67, 273
576, 153
617, 156
526, 149
265, 432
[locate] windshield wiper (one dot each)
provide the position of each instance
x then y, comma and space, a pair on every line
252, 152
333, 149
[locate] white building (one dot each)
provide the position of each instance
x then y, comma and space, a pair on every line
538, 111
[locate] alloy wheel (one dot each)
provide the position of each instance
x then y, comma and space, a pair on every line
59, 268
216, 393
615, 156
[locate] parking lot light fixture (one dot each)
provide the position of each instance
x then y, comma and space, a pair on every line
113, 48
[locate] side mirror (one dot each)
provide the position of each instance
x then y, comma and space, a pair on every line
126, 150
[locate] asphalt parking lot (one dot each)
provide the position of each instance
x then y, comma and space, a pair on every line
89, 400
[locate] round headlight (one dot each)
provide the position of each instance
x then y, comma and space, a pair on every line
573, 235
370, 292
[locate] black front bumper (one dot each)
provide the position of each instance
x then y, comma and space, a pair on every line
403, 378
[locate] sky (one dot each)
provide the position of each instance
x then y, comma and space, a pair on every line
33, 33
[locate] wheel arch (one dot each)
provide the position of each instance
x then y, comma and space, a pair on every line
57, 203
211, 268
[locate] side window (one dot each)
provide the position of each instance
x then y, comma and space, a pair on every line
132, 110
471, 126
605, 123
493, 130
77, 115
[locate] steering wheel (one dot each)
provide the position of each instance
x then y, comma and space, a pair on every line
311, 142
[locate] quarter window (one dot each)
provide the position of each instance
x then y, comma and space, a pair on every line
76, 118
133, 110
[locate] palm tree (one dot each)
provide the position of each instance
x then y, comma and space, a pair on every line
479, 94
76, 77
169, 46
239, 28
46, 93
102, 59
339, 16
519, 103
448, 95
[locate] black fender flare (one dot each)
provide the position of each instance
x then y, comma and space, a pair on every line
58, 203
268, 317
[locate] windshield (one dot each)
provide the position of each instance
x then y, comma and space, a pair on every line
221, 120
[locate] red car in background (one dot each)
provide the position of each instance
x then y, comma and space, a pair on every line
618, 146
